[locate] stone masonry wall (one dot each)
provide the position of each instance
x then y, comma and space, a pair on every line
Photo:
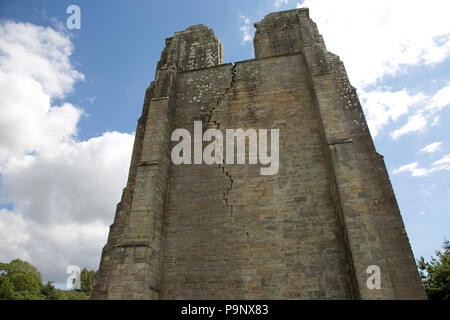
227, 232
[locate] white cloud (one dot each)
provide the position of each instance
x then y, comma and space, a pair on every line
28, 122
14, 236
39, 53
383, 107
383, 37
438, 52
63, 190
34, 69
50, 247
426, 113
440, 100
75, 182
64, 202
431, 148
415, 123
414, 169
444, 162
441, 165
435, 122
245, 29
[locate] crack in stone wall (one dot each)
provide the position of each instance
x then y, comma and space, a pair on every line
209, 118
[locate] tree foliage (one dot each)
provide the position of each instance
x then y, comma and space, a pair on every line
19, 280
51, 293
75, 295
87, 281
435, 274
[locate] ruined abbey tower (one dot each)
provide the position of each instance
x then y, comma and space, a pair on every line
225, 231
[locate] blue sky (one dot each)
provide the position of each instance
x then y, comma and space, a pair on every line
73, 132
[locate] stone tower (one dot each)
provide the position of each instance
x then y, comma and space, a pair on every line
226, 232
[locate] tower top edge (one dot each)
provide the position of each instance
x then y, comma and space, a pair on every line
194, 28
202, 28
281, 14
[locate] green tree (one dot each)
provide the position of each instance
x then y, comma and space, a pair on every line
87, 281
50, 292
75, 295
435, 274
6, 288
26, 267
19, 280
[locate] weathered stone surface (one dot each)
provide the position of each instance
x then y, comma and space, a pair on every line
225, 231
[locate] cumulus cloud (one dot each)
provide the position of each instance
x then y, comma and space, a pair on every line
51, 247
431, 148
75, 182
38, 53
34, 69
14, 236
63, 191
